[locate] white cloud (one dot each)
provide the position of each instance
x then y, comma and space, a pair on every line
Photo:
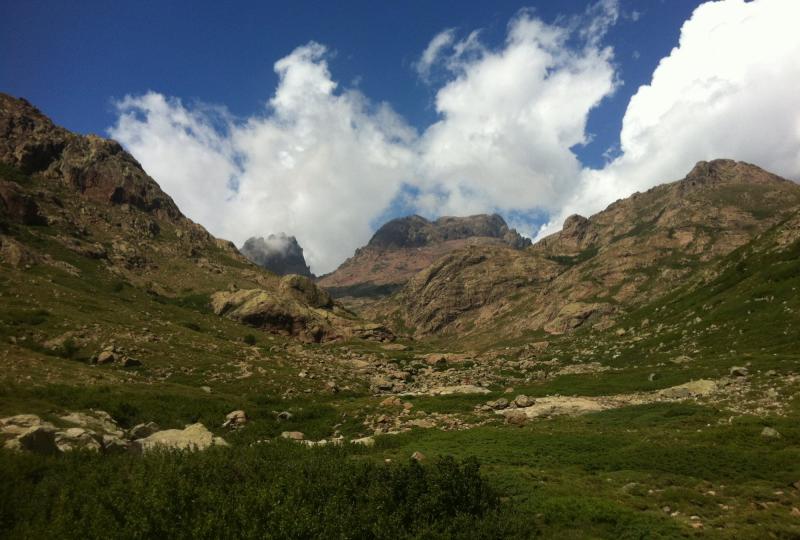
323, 162
729, 89
318, 165
431, 53
509, 118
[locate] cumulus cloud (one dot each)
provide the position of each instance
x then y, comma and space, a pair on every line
317, 164
729, 89
323, 163
509, 117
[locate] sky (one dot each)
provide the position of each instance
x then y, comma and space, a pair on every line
324, 119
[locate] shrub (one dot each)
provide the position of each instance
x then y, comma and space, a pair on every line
268, 491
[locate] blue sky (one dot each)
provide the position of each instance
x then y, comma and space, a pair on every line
72, 59
317, 118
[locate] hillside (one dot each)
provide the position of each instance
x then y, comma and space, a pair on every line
596, 268
404, 246
633, 376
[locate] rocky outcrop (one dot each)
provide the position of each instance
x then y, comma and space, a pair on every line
96, 431
404, 246
192, 437
277, 253
297, 308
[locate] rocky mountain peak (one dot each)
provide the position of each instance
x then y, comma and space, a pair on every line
277, 253
99, 169
726, 171
404, 246
416, 231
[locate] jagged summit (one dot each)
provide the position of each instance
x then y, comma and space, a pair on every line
404, 246
416, 231
277, 253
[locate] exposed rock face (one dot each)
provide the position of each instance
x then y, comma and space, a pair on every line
105, 209
192, 437
277, 253
404, 246
634, 251
297, 308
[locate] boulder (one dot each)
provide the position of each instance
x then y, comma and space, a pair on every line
127, 361
98, 421
770, 433
365, 441
235, 419
516, 418
141, 431
523, 401
498, 404
39, 440
739, 371
293, 435
21, 423
78, 438
699, 388
106, 357
192, 437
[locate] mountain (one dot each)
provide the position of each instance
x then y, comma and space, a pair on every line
404, 246
634, 374
80, 213
597, 268
277, 253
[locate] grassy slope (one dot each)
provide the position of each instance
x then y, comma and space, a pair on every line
605, 475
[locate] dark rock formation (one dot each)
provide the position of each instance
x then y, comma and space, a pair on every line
277, 253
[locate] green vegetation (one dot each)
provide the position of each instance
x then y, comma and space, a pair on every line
273, 491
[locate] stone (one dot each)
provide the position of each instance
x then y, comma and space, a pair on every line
498, 404
206, 389
523, 401
192, 437
98, 421
739, 371
332, 387
698, 388
284, 415
293, 435
235, 419
682, 359
391, 401
127, 361
770, 433
106, 357
365, 441
516, 418
424, 423
140, 431
418, 456
21, 423
78, 439
39, 440
116, 445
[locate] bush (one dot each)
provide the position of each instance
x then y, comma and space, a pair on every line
268, 491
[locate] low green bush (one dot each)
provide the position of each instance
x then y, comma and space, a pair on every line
277, 490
